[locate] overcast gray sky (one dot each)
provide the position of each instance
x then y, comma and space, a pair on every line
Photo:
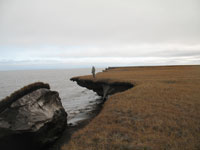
37, 34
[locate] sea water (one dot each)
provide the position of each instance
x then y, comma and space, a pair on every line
75, 99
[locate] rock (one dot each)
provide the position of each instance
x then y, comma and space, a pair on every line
33, 120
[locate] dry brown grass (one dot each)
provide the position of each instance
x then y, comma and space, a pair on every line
162, 111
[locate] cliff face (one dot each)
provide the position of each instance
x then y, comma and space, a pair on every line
103, 88
31, 118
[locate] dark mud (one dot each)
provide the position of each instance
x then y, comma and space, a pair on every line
84, 117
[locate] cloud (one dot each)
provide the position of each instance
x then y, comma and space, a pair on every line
91, 22
78, 57
137, 50
76, 33
100, 62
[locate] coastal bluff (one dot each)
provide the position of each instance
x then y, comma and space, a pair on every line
161, 111
31, 118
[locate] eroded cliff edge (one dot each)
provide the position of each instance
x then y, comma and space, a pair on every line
103, 88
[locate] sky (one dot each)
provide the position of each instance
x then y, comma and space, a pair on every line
57, 34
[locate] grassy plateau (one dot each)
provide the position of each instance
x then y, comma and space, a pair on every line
161, 111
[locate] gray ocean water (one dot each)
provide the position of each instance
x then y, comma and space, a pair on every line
75, 99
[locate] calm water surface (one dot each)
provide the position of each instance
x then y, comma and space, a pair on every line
75, 99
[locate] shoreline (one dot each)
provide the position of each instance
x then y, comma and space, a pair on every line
160, 112
71, 129
103, 89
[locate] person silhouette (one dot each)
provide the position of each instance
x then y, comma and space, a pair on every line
93, 71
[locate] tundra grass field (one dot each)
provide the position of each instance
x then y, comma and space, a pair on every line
161, 111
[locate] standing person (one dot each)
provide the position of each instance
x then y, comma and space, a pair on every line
93, 71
